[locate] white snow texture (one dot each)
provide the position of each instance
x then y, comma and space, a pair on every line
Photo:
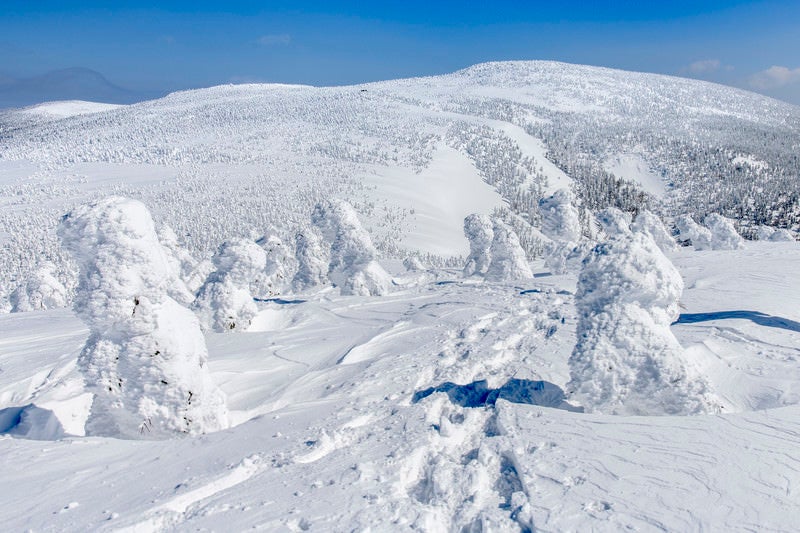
145, 359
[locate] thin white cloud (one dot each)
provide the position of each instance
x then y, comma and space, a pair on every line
775, 77
704, 66
278, 39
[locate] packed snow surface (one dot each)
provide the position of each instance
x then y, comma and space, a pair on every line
439, 406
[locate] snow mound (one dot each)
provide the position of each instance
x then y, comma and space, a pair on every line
30, 422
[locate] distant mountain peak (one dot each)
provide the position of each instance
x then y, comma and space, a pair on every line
73, 83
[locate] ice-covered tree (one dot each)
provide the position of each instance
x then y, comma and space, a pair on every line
353, 267
560, 219
689, 230
41, 291
275, 277
145, 359
651, 225
312, 260
479, 231
626, 360
413, 263
224, 302
723, 235
508, 260
561, 222
613, 222
181, 266
767, 233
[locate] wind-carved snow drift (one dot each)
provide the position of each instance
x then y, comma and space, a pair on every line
561, 222
352, 266
145, 359
224, 302
627, 361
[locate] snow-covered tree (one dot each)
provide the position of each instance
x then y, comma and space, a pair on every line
275, 277
689, 230
767, 233
312, 260
651, 225
352, 266
723, 235
41, 291
508, 260
613, 222
413, 263
181, 265
560, 219
145, 359
626, 360
479, 231
224, 302
561, 222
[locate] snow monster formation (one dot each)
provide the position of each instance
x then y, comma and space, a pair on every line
352, 266
41, 291
508, 259
312, 260
145, 359
648, 223
479, 231
627, 361
723, 234
495, 252
689, 230
224, 302
561, 223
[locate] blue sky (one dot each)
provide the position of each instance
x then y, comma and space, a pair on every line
173, 45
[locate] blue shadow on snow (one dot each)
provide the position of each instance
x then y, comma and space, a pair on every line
756, 317
478, 393
280, 301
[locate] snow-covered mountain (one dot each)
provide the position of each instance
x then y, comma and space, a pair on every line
387, 388
74, 83
414, 156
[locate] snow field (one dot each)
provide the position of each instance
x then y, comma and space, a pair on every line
436, 407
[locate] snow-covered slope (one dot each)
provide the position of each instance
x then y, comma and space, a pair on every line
226, 161
441, 402
438, 407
